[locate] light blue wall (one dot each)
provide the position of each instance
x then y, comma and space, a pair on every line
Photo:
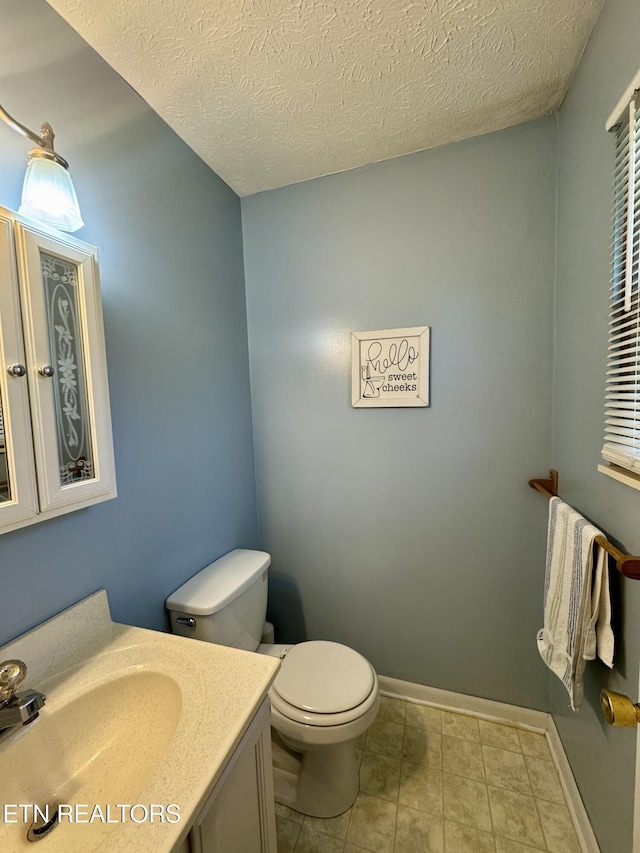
410, 534
602, 758
170, 243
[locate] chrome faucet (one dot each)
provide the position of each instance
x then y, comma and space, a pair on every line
16, 709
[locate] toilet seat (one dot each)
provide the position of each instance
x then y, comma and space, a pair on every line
321, 683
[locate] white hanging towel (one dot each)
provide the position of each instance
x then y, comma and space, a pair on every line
577, 604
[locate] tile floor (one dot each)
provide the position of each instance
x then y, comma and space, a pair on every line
432, 781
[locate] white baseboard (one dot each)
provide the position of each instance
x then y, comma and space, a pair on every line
575, 805
513, 715
461, 703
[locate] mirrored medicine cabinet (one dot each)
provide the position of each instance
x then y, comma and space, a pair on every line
56, 449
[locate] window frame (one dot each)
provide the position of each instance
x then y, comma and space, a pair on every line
621, 449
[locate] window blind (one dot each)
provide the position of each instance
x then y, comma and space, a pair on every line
622, 397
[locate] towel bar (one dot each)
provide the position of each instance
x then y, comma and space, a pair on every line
626, 564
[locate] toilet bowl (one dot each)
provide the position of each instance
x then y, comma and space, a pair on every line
323, 698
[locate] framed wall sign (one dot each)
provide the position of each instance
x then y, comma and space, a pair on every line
390, 367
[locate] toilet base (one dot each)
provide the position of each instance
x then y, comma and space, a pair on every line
318, 782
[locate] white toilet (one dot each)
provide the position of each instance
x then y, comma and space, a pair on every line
323, 698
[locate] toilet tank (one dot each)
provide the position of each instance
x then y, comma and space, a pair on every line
225, 603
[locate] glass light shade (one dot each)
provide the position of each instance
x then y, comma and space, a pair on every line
48, 195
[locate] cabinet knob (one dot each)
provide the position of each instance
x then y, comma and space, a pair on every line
46, 370
16, 370
618, 709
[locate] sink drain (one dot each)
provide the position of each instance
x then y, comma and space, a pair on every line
40, 828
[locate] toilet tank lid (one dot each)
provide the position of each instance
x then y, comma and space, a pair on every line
219, 583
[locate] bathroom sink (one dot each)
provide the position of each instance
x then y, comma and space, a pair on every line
133, 718
98, 747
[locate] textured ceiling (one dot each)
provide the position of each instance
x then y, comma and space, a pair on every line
270, 92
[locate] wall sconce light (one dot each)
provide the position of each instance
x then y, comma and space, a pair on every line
48, 194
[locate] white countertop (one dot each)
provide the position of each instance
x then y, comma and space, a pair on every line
81, 649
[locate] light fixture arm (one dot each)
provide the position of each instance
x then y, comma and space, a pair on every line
44, 140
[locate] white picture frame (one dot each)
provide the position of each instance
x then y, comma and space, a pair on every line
390, 368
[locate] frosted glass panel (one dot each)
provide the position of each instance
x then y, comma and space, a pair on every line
5, 493
60, 278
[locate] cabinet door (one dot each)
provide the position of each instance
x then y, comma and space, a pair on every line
66, 369
18, 497
239, 816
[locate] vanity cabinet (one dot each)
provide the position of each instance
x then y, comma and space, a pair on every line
56, 450
239, 815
